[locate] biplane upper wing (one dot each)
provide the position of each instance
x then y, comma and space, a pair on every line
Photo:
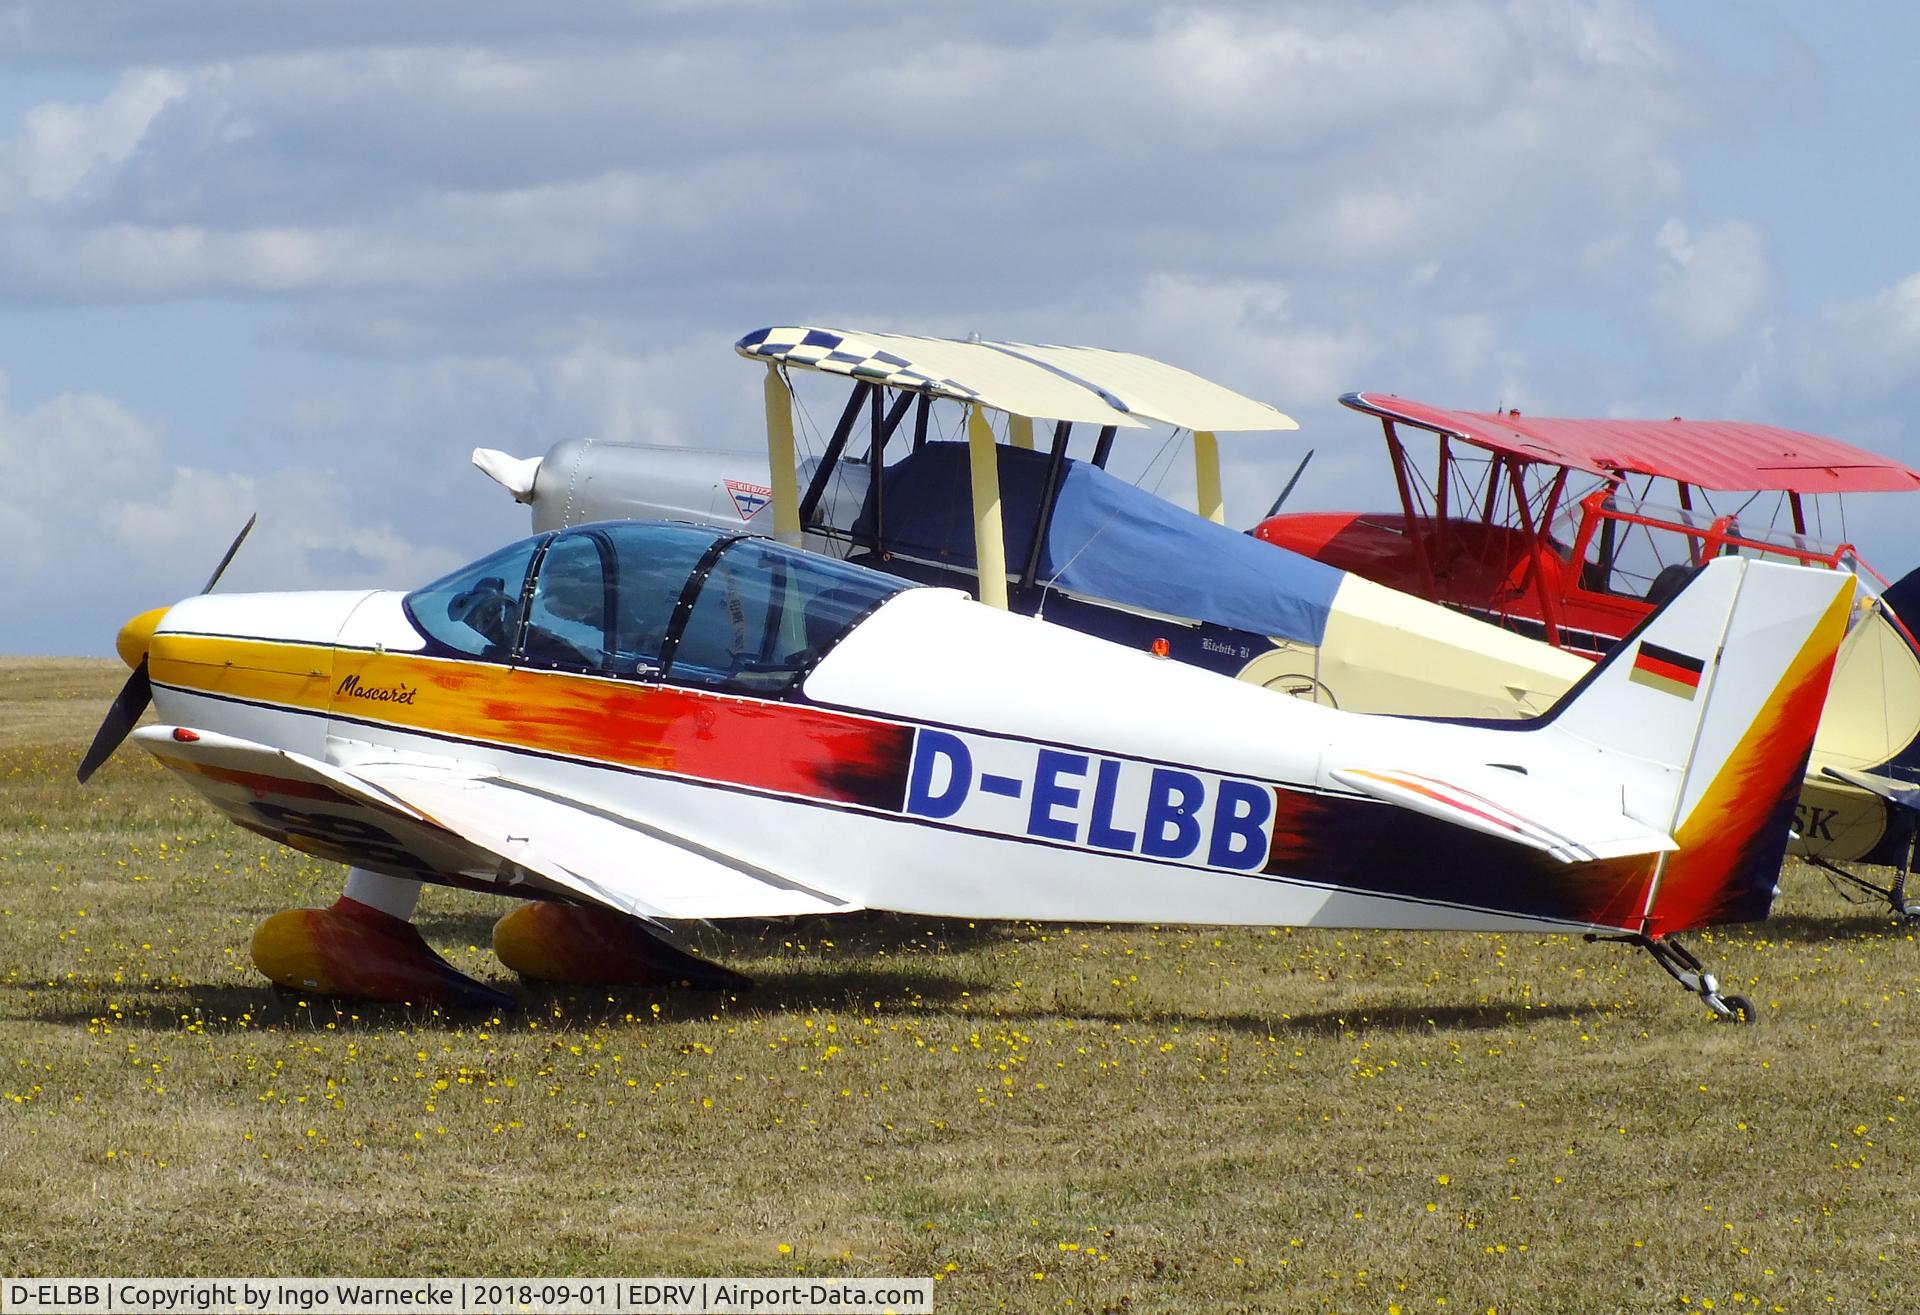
1512, 806
612, 858
1081, 384
1713, 454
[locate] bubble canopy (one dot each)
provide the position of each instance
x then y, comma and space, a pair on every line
651, 600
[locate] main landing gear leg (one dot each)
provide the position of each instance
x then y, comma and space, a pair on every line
1684, 967
1903, 907
365, 945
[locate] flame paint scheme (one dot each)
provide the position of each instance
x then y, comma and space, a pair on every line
925, 754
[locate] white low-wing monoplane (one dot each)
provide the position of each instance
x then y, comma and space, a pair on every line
636, 723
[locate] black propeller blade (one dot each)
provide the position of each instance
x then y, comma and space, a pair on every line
137, 693
128, 704
1298, 471
247, 529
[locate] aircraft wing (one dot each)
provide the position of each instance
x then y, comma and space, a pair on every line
1513, 807
615, 858
612, 858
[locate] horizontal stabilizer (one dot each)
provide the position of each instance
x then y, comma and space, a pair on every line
1513, 807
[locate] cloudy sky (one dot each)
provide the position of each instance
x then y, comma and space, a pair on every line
301, 258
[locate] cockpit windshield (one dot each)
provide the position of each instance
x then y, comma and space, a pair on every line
476, 610
653, 600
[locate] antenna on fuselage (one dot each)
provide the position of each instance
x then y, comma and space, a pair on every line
1298, 471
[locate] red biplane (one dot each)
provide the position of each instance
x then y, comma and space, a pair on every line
1572, 531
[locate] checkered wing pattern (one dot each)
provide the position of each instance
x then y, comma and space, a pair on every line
849, 355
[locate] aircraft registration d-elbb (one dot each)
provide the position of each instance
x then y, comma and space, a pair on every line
636, 723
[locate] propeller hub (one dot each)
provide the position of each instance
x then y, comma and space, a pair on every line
136, 634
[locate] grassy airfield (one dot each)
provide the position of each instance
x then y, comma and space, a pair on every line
1049, 1117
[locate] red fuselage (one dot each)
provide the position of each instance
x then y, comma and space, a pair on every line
1499, 574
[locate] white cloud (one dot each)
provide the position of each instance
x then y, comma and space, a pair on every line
1316, 133
1712, 286
62, 460
455, 241
1867, 345
62, 151
1248, 334
102, 523
310, 536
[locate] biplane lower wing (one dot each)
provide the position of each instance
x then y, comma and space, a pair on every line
1904, 793
425, 817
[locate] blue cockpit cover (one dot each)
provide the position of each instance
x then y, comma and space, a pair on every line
1108, 540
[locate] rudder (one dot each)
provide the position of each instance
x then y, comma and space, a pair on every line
1718, 696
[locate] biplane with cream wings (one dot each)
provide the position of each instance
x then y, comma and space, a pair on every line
1572, 531
634, 724
996, 480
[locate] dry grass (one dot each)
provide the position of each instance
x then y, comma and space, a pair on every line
1050, 1117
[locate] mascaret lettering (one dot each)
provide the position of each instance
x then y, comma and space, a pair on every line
352, 688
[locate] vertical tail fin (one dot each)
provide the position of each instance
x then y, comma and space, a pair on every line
1713, 703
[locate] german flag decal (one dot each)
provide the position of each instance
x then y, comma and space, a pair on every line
1667, 671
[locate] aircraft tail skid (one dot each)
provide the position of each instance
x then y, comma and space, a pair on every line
1709, 710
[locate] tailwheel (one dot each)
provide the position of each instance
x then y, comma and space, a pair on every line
578, 945
1685, 967
354, 949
